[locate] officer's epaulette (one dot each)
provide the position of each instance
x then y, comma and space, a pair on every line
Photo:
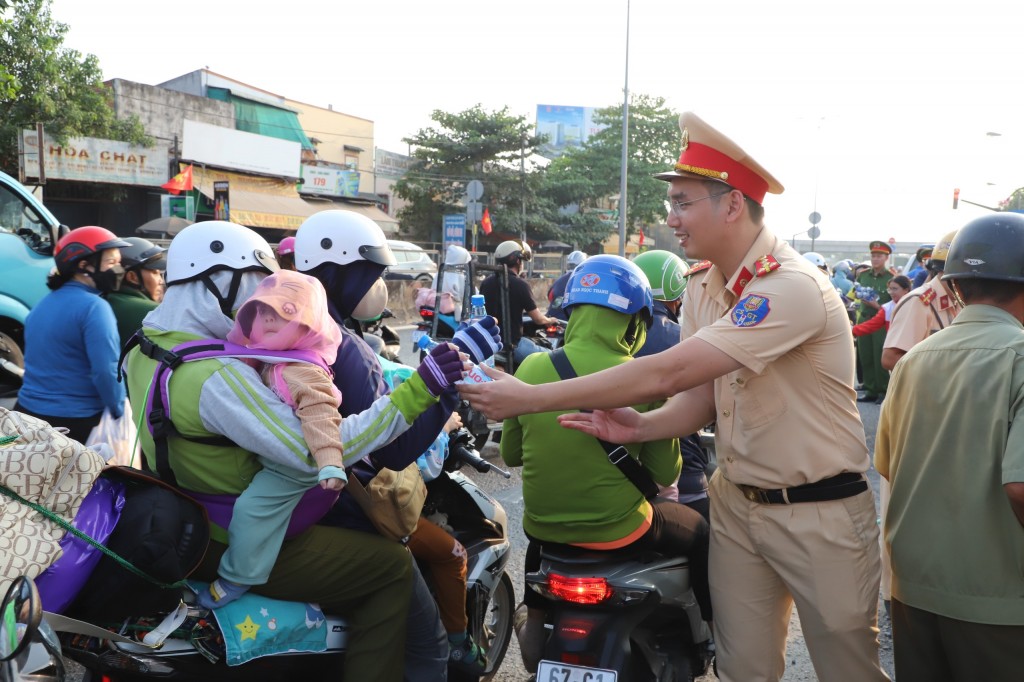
765, 264
700, 266
928, 296
762, 266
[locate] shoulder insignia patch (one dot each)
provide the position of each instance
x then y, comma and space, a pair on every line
700, 266
928, 296
765, 264
742, 280
750, 311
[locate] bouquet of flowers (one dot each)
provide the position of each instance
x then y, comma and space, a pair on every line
864, 293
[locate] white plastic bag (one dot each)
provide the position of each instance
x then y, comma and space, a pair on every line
118, 434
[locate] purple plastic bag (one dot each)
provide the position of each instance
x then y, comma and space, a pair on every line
100, 510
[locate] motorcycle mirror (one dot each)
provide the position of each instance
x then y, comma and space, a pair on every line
386, 313
21, 611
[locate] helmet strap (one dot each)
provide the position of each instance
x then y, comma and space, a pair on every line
632, 329
226, 302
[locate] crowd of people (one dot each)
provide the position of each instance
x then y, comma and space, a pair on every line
761, 341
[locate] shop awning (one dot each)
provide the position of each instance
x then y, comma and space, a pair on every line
259, 201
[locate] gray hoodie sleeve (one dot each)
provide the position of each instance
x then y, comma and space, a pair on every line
236, 404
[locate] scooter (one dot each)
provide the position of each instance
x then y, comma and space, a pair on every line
29, 648
550, 336
192, 653
619, 616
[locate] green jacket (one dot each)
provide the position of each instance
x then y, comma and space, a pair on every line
572, 493
130, 306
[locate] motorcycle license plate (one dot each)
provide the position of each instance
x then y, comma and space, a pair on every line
550, 671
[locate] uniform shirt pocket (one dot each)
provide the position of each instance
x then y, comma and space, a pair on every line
757, 398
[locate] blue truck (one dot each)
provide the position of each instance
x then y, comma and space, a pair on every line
28, 234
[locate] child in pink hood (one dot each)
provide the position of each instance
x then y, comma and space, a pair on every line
287, 312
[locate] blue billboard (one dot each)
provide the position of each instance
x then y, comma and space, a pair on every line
454, 228
564, 127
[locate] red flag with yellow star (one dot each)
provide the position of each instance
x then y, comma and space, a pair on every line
485, 222
182, 182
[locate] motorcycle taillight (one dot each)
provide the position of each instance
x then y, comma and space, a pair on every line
579, 590
426, 312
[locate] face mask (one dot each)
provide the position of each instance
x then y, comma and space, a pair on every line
373, 303
108, 280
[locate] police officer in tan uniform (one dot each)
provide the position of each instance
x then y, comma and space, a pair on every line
924, 311
767, 353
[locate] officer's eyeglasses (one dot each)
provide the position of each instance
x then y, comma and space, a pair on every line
677, 207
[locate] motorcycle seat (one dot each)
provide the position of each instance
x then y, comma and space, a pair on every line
579, 556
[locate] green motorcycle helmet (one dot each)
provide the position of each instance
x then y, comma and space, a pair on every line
665, 271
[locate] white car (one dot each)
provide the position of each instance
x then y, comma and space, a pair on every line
413, 263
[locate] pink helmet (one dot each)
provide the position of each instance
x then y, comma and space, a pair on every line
286, 246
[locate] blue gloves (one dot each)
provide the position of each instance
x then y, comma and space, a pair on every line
479, 340
441, 368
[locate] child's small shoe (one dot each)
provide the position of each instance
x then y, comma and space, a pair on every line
464, 654
219, 593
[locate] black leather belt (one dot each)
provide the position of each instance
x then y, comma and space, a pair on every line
834, 488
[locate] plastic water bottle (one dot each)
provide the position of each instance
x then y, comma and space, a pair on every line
477, 308
477, 312
474, 376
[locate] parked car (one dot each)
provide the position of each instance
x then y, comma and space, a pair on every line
413, 263
28, 233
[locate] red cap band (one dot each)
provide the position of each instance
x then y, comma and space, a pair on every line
700, 159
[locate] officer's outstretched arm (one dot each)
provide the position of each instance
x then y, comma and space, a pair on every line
691, 363
683, 414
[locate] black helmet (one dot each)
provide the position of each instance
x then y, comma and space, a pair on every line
143, 254
991, 247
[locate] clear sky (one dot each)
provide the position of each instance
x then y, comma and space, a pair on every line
869, 112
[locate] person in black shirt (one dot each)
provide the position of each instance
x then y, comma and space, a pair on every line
520, 298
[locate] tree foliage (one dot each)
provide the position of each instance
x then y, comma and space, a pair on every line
589, 175
474, 144
41, 81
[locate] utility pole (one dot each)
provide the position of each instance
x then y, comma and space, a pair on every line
522, 178
625, 146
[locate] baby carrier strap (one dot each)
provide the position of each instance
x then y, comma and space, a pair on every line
158, 407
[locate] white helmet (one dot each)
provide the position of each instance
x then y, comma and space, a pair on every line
340, 237
512, 250
574, 259
456, 255
206, 247
816, 259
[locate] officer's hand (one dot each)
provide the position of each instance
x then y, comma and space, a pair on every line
621, 425
502, 398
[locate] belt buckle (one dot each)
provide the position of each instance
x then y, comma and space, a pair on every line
751, 493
